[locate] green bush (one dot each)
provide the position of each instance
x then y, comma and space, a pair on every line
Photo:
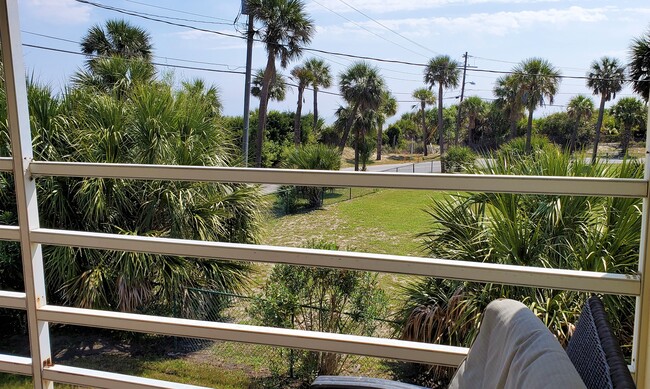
313, 157
320, 299
458, 159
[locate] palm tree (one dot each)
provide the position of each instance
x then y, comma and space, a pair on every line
361, 86
579, 108
320, 77
387, 109
285, 29
537, 80
474, 108
425, 97
277, 88
115, 75
303, 77
640, 65
605, 78
154, 123
118, 38
628, 111
506, 92
444, 71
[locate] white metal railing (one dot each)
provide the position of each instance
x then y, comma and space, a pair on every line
32, 237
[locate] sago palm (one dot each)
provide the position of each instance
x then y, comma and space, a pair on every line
425, 97
605, 78
579, 108
444, 72
537, 80
285, 29
321, 77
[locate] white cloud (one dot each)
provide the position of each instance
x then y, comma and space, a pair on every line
385, 6
498, 23
59, 11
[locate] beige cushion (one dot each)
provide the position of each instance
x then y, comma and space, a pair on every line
515, 350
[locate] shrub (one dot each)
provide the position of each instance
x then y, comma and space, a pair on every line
320, 299
458, 158
313, 157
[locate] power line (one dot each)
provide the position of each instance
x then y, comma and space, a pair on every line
366, 29
346, 55
179, 19
153, 63
175, 10
389, 29
230, 67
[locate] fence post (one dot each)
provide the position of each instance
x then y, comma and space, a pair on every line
291, 357
350, 194
413, 167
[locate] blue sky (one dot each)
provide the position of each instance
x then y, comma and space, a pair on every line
496, 33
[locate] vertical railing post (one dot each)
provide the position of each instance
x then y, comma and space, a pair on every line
21, 149
640, 350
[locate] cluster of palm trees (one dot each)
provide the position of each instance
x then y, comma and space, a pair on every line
116, 111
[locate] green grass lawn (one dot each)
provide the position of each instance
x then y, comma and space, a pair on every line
385, 222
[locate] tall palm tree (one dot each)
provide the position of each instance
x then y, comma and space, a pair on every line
387, 109
628, 112
537, 79
361, 86
640, 65
474, 108
605, 78
277, 87
579, 108
302, 76
285, 29
425, 97
118, 38
506, 92
444, 71
320, 77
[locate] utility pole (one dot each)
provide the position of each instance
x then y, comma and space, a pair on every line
462, 92
247, 80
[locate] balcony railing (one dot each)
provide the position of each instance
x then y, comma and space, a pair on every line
39, 313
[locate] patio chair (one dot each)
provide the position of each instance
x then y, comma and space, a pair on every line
595, 352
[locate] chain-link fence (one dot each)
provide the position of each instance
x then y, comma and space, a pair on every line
261, 360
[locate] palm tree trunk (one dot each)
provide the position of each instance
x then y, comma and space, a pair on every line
315, 108
296, 119
574, 135
513, 128
440, 129
348, 126
356, 150
626, 139
424, 129
529, 130
599, 124
380, 138
269, 72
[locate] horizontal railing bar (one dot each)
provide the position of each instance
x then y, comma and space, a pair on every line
6, 164
101, 379
13, 300
10, 233
15, 365
279, 337
441, 268
587, 186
